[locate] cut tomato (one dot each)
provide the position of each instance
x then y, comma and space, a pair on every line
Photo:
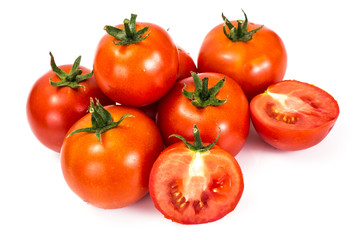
293, 115
191, 187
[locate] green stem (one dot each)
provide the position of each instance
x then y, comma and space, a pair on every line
203, 96
240, 33
101, 120
128, 35
197, 146
71, 79
128, 31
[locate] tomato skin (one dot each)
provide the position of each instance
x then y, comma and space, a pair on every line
186, 64
311, 128
114, 173
51, 111
173, 165
177, 115
137, 74
254, 64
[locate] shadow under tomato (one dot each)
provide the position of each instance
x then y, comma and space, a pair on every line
144, 205
255, 143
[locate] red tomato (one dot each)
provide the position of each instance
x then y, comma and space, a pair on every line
255, 60
293, 115
193, 187
115, 172
186, 64
150, 110
52, 110
177, 114
140, 73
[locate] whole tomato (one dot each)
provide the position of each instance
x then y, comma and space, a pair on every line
251, 54
193, 183
293, 115
186, 64
107, 157
214, 100
136, 63
58, 99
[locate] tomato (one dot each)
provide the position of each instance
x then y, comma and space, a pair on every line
193, 185
177, 113
251, 54
293, 115
52, 108
136, 68
186, 64
109, 167
150, 110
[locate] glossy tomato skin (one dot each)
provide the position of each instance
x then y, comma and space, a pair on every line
51, 111
114, 173
307, 120
211, 184
137, 74
254, 64
177, 115
186, 64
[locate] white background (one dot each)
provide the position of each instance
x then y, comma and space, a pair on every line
309, 194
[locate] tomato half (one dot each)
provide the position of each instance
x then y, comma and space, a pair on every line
192, 187
52, 110
293, 115
254, 62
115, 172
186, 64
140, 73
177, 114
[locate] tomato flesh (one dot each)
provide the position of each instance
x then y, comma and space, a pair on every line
293, 115
192, 187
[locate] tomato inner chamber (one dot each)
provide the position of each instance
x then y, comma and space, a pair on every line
198, 185
293, 109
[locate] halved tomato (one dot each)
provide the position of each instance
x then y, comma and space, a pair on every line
193, 186
293, 115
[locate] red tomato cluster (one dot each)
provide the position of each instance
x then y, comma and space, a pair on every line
113, 154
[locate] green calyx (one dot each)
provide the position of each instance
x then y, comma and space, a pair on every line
101, 120
203, 96
71, 79
128, 35
197, 146
240, 33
